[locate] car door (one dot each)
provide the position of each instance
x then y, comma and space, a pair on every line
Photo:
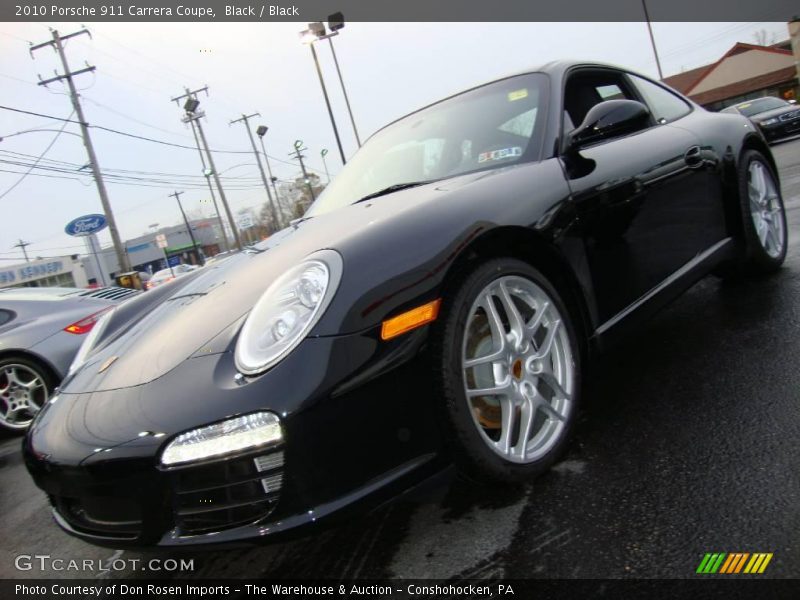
638, 196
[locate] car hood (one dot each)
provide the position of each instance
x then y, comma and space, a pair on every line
775, 112
207, 308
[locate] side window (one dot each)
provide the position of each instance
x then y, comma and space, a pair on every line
664, 105
586, 88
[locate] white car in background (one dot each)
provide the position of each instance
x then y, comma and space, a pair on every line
168, 274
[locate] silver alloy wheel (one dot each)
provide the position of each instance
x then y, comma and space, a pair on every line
22, 393
765, 209
519, 374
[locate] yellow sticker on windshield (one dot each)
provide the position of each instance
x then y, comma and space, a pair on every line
743, 105
517, 95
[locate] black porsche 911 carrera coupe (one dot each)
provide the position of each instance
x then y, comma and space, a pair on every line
437, 304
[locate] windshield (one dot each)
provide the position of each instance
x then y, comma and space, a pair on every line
748, 109
488, 127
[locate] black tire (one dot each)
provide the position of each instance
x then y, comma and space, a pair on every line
754, 258
34, 367
470, 452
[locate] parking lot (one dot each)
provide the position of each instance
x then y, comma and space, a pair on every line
689, 443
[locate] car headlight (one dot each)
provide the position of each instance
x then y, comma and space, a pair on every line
88, 343
771, 121
287, 311
233, 435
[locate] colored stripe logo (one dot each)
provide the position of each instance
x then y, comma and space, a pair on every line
734, 563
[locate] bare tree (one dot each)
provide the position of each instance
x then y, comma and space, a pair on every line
764, 38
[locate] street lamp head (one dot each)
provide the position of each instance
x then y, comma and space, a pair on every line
261, 130
318, 29
191, 105
307, 37
335, 21
208, 172
324, 152
298, 144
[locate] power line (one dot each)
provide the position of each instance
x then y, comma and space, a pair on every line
148, 139
36, 162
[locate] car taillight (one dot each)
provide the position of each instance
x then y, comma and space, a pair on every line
85, 325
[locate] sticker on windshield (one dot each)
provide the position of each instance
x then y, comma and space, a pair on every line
517, 95
514, 152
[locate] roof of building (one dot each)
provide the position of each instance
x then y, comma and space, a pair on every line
687, 81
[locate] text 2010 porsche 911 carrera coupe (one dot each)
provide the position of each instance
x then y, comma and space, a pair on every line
438, 303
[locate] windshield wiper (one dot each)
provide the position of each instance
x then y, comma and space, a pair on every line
393, 188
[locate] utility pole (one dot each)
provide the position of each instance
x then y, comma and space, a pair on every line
298, 149
190, 106
21, 245
652, 39
177, 196
56, 42
244, 119
210, 188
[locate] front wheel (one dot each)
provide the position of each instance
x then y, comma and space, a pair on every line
509, 372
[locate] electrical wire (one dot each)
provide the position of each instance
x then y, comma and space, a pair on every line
148, 139
40, 157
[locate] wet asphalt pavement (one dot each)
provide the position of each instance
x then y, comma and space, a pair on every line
689, 442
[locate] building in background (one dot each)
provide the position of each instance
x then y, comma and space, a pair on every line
145, 255
57, 271
744, 72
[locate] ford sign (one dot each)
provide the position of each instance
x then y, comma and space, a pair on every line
86, 225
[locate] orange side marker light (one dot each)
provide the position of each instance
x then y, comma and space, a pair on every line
416, 317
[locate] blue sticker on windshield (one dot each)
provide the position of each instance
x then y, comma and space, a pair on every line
514, 152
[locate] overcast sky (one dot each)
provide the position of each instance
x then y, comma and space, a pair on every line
389, 69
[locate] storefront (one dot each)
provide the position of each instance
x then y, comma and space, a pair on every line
61, 271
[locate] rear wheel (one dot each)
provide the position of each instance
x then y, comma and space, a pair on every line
509, 372
24, 388
763, 215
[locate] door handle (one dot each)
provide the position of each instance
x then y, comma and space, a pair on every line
693, 157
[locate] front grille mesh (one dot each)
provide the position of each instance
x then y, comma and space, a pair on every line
111, 518
228, 493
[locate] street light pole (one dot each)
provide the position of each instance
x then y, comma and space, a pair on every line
327, 103
344, 91
261, 131
245, 119
190, 107
323, 153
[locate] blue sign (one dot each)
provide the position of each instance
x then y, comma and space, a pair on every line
174, 261
86, 225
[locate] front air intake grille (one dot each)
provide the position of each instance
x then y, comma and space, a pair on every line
228, 493
112, 518
790, 116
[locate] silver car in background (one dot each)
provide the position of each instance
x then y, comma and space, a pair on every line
41, 330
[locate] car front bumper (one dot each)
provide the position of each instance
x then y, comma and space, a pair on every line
783, 129
358, 426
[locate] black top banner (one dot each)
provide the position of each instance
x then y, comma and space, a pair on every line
84, 11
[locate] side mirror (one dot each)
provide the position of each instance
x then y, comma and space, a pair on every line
608, 118
792, 101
